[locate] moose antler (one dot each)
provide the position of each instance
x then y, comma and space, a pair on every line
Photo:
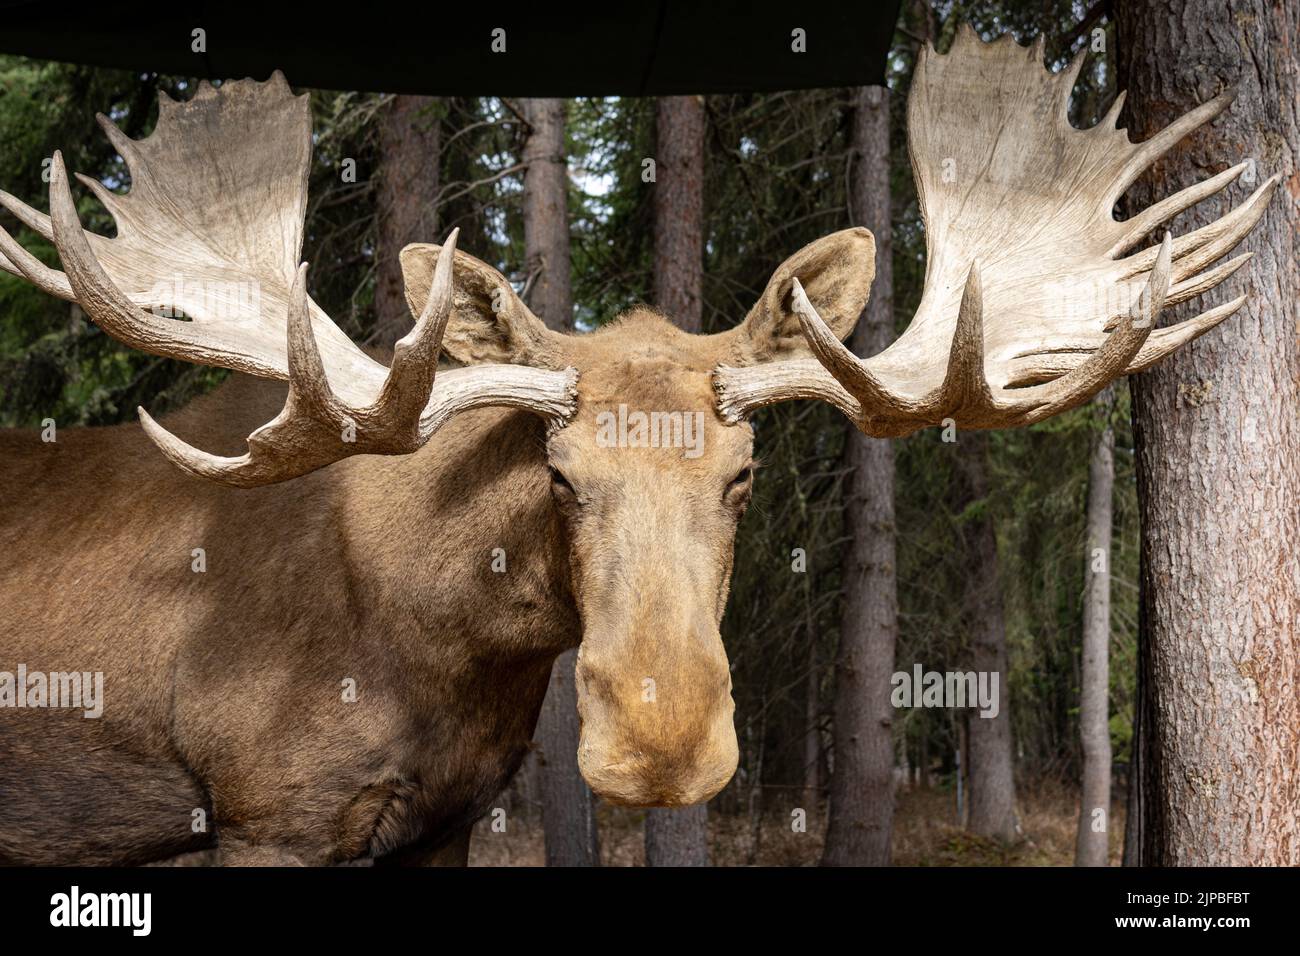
212, 228
1033, 300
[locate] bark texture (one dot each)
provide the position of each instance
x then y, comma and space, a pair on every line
992, 781
679, 837
862, 789
812, 744
679, 210
568, 806
546, 213
1092, 846
1217, 429
409, 149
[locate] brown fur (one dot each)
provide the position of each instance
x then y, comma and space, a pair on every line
224, 690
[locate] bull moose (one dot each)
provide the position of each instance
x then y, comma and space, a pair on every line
394, 561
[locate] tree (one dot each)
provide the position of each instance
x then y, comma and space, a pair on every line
992, 781
862, 790
679, 837
546, 213
679, 211
1217, 432
1092, 845
568, 806
409, 166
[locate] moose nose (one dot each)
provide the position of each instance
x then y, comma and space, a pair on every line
660, 735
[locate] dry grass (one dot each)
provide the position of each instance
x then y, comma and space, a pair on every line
926, 833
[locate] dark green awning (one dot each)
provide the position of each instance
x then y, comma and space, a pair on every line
621, 47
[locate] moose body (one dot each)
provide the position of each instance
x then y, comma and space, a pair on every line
439, 585
228, 691
223, 689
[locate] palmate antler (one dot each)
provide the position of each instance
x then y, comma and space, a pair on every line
212, 228
1033, 300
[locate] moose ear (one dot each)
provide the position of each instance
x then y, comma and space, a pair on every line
836, 273
489, 323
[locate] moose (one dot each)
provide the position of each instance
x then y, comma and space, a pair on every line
393, 561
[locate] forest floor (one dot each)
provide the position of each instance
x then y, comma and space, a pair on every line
926, 833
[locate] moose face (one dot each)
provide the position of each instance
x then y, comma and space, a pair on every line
650, 482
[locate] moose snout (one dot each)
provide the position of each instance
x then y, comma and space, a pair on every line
656, 732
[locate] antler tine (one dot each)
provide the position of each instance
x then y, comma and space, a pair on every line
18, 261
1161, 212
1220, 237
1148, 151
415, 355
1195, 285
849, 370
1035, 368
37, 221
107, 198
125, 146
1164, 341
1109, 362
307, 378
1180, 292
1198, 248
965, 390
14, 258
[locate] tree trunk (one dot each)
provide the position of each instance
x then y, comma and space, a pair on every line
679, 210
568, 807
862, 790
1141, 752
812, 749
1092, 847
1217, 431
992, 781
679, 837
923, 755
546, 213
409, 150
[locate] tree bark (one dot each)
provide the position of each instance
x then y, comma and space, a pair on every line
1217, 431
1093, 846
546, 213
679, 837
812, 744
568, 806
679, 210
862, 787
1141, 751
991, 774
409, 151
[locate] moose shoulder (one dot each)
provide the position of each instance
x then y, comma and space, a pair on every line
329, 640
346, 676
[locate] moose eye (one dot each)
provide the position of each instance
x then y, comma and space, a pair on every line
558, 481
